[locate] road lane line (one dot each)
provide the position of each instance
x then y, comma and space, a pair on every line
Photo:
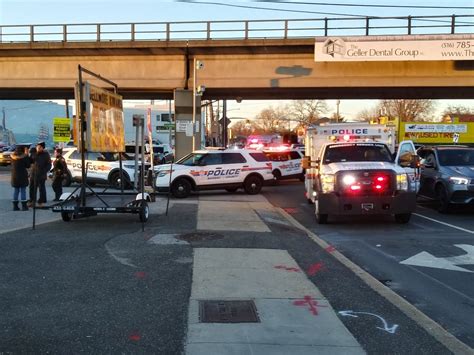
444, 223
455, 345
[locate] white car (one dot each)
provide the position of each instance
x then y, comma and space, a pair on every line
286, 164
101, 168
214, 169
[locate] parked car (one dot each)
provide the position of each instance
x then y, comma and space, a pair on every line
162, 153
447, 175
5, 156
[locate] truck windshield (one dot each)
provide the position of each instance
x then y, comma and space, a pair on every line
356, 152
456, 157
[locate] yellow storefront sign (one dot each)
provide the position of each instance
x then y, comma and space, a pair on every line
437, 133
61, 129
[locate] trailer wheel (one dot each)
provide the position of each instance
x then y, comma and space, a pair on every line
402, 217
144, 211
321, 218
66, 216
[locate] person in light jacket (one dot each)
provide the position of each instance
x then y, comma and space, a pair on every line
19, 177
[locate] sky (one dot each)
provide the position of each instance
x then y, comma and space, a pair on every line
26, 12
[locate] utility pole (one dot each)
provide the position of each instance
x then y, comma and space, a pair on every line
224, 120
337, 110
3, 120
67, 108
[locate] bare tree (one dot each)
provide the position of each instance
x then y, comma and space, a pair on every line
458, 110
370, 114
407, 110
271, 120
307, 112
243, 128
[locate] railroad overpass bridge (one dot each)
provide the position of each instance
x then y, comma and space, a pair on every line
249, 68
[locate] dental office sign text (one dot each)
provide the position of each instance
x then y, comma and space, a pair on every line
338, 50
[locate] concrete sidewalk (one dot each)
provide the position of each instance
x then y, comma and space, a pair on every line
293, 316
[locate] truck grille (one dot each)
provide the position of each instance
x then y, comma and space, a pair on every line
366, 182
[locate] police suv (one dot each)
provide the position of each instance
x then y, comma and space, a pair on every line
286, 163
213, 169
100, 167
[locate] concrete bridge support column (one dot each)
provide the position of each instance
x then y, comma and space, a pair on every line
183, 108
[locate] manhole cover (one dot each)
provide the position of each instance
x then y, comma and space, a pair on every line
228, 312
200, 236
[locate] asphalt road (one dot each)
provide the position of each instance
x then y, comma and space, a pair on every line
85, 288
379, 245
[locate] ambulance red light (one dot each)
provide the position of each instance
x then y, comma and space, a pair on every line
355, 187
380, 178
378, 187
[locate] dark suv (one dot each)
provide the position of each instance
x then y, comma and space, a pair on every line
447, 175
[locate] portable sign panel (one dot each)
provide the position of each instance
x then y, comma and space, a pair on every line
61, 129
105, 124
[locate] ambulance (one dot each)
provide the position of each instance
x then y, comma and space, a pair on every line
354, 169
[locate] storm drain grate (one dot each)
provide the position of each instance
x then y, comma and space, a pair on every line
228, 312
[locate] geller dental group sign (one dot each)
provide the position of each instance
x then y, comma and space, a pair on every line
339, 50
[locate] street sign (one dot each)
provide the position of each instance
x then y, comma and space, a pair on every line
61, 130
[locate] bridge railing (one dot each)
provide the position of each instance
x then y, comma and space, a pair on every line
252, 29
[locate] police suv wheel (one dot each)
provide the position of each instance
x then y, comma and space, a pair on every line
181, 188
253, 185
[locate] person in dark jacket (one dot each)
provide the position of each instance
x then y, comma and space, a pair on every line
41, 168
59, 170
31, 176
19, 178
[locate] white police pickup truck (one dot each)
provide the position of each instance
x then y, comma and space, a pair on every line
101, 168
213, 169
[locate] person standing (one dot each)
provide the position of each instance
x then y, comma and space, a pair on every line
31, 176
19, 177
59, 170
40, 171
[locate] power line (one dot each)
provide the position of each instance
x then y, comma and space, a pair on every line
268, 8
366, 5
309, 12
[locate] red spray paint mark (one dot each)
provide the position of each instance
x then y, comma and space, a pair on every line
283, 267
140, 274
330, 249
308, 301
135, 336
315, 268
290, 210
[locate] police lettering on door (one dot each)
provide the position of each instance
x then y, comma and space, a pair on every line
216, 173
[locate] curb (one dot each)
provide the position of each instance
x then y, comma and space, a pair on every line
430, 326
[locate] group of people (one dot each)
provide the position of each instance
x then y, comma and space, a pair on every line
31, 168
